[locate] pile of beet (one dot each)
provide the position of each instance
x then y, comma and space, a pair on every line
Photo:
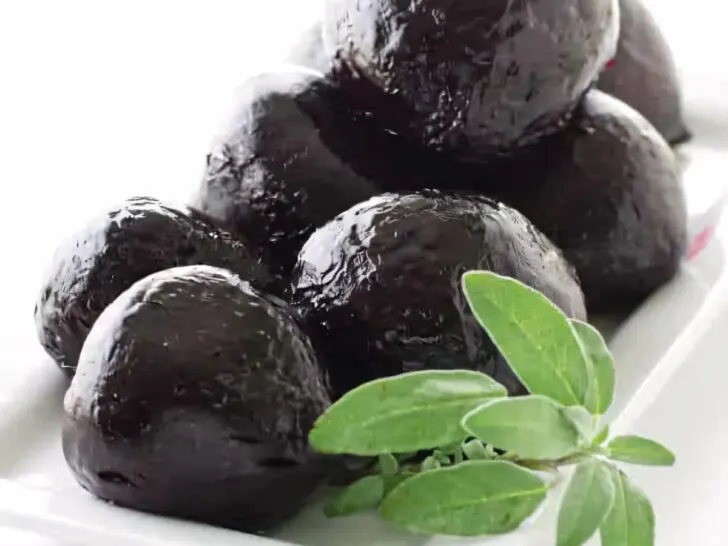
409, 142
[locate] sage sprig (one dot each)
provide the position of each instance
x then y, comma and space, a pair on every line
494, 458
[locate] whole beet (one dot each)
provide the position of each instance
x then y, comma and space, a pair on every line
129, 241
270, 175
644, 74
193, 398
379, 286
470, 76
608, 192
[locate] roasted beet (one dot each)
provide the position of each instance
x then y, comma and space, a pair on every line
193, 398
644, 75
120, 246
608, 193
469, 76
379, 286
271, 177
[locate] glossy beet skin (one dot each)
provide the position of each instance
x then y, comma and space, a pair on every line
379, 286
644, 74
193, 398
608, 193
472, 76
271, 177
138, 237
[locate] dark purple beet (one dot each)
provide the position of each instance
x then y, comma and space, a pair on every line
117, 248
472, 77
193, 398
644, 75
608, 192
270, 176
379, 286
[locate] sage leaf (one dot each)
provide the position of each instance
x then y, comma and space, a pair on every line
388, 465
582, 420
431, 463
403, 457
459, 457
532, 427
475, 450
533, 335
470, 499
601, 389
631, 521
409, 412
391, 482
601, 436
441, 457
450, 449
364, 494
586, 503
636, 450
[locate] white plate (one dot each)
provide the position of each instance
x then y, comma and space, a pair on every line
110, 143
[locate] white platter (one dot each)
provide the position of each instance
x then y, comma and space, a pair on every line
670, 353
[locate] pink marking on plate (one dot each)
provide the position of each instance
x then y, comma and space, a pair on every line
700, 241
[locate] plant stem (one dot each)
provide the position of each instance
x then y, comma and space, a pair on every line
547, 464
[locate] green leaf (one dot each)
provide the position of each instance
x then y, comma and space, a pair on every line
459, 457
532, 427
582, 420
450, 449
475, 450
409, 412
392, 482
470, 499
601, 390
441, 457
356, 464
534, 336
631, 522
364, 494
388, 465
636, 450
431, 463
402, 457
601, 436
586, 503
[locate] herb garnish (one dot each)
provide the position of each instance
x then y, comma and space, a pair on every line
493, 458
